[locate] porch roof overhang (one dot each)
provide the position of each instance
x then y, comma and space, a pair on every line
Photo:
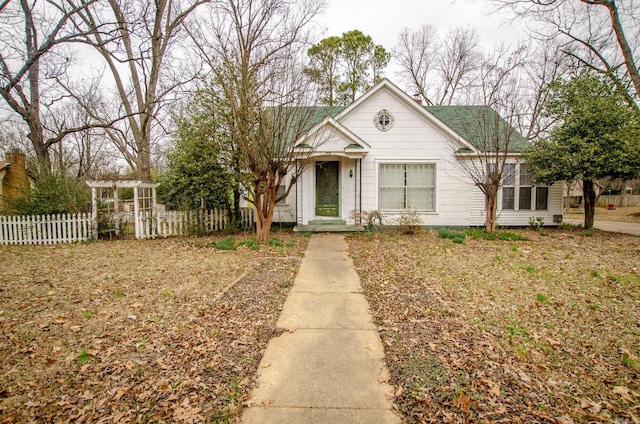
331, 138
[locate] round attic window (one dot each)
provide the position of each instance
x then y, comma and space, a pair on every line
383, 120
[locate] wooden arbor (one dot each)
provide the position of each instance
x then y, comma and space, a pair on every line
105, 203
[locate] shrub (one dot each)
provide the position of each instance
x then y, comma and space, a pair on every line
410, 222
251, 243
456, 236
372, 220
52, 194
228, 243
536, 222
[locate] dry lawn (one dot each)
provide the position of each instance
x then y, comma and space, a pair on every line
546, 330
137, 331
630, 214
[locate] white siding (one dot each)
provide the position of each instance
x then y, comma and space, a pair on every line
412, 139
518, 218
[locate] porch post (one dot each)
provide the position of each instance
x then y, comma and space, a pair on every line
116, 208
136, 213
300, 198
154, 220
94, 211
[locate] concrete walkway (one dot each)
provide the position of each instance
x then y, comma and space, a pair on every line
329, 367
610, 226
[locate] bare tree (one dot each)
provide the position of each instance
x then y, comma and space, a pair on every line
45, 26
603, 35
460, 58
256, 58
545, 64
139, 41
440, 71
493, 137
87, 154
467, 77
416, 54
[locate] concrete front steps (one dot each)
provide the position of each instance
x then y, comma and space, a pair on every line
328, 226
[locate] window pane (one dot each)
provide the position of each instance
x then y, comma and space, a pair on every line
524, 198
281, 190
391, 175
420, 175
391, 198
417, 198
406, 186
391, 183
507, 197
509, 174
542, 195
525, 176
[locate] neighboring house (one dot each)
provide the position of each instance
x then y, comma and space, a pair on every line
14, 180
386, 152
573, 193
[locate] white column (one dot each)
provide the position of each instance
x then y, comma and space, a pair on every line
94, 211
136, 212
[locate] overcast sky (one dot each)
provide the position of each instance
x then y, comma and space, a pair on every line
384, 19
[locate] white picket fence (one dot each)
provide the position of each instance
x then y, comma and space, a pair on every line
45, 229
68, 228
188, 223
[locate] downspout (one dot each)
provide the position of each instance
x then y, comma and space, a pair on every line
300, 180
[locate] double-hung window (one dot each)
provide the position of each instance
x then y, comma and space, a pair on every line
403, 186
518, 189
525, 192
542, 196
508, 186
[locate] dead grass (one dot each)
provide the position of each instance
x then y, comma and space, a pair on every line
546, 330
630, 214
137, 331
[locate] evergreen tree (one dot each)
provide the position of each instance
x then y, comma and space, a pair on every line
599, 137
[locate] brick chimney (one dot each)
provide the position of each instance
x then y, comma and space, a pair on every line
16, 182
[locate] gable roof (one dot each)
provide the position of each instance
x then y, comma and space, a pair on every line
471, 125
352, 144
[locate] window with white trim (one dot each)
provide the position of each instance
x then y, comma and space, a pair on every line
403, 186
508, 186
525, 191
542, 198
518, 189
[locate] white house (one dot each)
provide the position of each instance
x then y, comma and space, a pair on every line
386, 152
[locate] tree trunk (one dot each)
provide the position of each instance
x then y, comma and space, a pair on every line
144, 162
627, 52
39, 147
236, 212
589, 196
491, 197
264, 217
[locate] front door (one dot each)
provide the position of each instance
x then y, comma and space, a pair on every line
327, 188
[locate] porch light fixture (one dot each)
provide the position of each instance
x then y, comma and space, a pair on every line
351, 173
